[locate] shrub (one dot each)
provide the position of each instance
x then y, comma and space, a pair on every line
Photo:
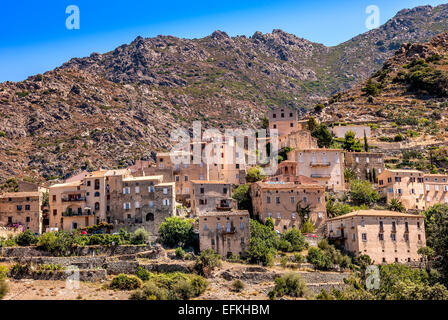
4, 288
319, 259
207, 262
140, 236
362, 192
10, 242
143, 274
26, 238
126, 282
59, 243
180, 253
172, 286
175, 231
299, 258
263, 244
238, 285
255, 174
296, 239
3, 272
19, 270
285, 246
290, 284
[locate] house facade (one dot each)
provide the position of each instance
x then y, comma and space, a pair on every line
207, 196
280, 200
225, 232
365, 165
385, 236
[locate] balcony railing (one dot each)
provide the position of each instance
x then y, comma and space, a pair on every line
230, 230
320, 175
80, 199
76, 214
320, 164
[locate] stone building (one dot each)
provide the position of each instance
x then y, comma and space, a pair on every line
135, 202
406, 186
298, 140
385, 236
284, 120
324, 165
365, 165
436, 189
340, 131
68, 206
23, 208
279, 200
226, 232
113, 196
210, 196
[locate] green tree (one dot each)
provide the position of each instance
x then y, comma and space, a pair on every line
255, 174
351, 143
366, 145
263, 243
176, 231
312, 124
396, 205
436, 226
323, 135
26, 238
371, 88
242, 196
296, 239
362, 192
427, 255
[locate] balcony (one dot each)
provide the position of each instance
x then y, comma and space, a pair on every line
77, 199
230, 230
224, 205
320, 176
76, 214
319, 164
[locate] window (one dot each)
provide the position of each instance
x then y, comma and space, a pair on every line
166, 202
97, 184
27, 207
150, 217
393, 236
218, 226
88, 183
380, 182
151, 189
362, 223
293, 215
269, 214
186, 178
381, 236
151, 204
97, 206
137, 189
137, 205
364, 236
292, 199
201, 190
126, 190
55, 212
241, 226
165, 190
406, 237
279, 215
224, 190
177, 178
205, 227
277, 200
397, 179
353, 237
54, 198
389, 180
126, 205
19, 207
97, 194
268, 199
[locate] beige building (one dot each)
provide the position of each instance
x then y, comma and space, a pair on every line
323, 165
207, 196
436, 189
284, 120
406, 186
298, 140
365, 165
226, 232
279, 200
23, 208
385, 236
113, 196
340, 131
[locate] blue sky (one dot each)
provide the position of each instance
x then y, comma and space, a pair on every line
34, 38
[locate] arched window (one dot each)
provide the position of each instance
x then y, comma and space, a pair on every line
97, 206
97, 194
150, 217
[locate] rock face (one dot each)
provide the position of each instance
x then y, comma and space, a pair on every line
108, 109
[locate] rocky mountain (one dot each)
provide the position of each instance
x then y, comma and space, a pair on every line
109, 109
